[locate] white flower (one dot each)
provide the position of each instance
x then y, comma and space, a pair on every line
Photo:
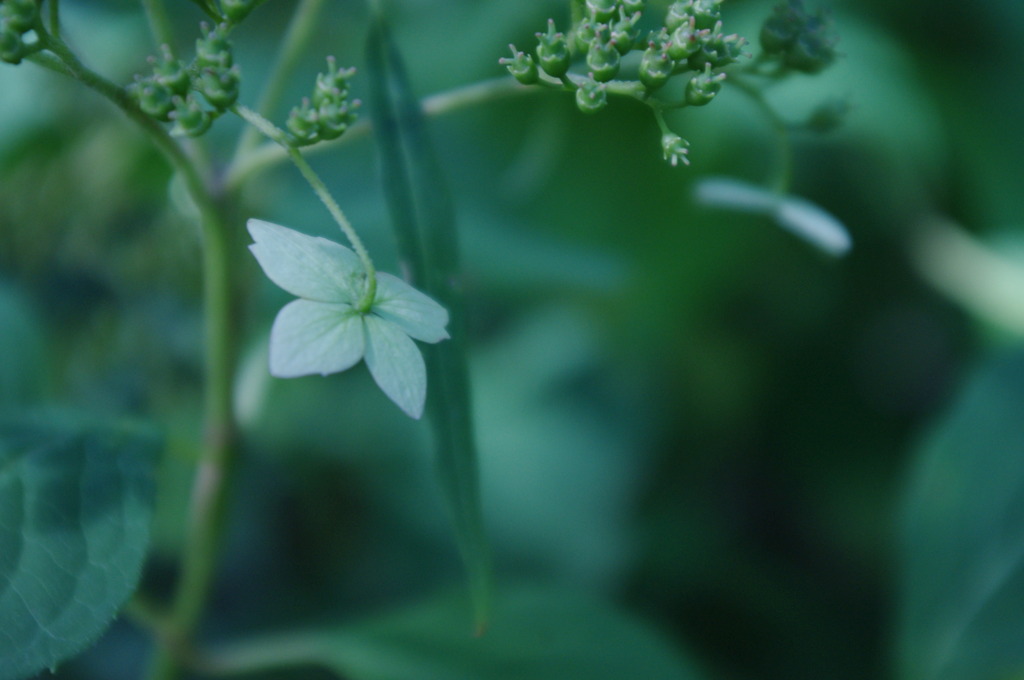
323, 331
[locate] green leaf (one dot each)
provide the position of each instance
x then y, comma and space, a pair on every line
797, 215
963, 537
396, 365
538, 634
76, 500
424, 224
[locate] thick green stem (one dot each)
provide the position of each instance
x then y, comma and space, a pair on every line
302, 25
216, 454
277, 135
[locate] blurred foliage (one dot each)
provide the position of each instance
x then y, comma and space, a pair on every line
685, 411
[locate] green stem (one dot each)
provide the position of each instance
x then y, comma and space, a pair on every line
303, 22
272, 154
217, 452
54, 7
160, 24
784, 176
277, 135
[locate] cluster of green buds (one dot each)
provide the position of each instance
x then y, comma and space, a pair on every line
798, 39
689, 46
170, 92
328, 113
17, 18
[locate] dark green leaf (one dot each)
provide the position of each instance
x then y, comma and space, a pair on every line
76, 500
538, 634
424, 224
963, 539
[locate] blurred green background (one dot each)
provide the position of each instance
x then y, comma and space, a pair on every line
688, 412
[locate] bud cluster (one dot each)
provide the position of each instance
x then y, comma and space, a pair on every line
328, 113
800, 40
169, 92
689, 42
17, 18
689, 47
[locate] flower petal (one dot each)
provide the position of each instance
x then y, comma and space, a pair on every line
315, 337
308, 267
415, 313
396, 364
813, 224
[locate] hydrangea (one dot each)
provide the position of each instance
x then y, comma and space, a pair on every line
325, 332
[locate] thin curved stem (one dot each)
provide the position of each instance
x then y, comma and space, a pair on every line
303, 22
784, 176
277, 135
272, 154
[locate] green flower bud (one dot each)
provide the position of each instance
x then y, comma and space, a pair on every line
631, 6
717, 50
813, 50
780, 30
332, 85
602, 10
591, 96
584, 34
521, 66
678, 14
304, 124
686, 40
624, 33
553, 52
189, 117
220, 88
335, 118
154, 99
19, 15
213, 50
706, 13
12, 47
703, 87
171, 73
603, 61
236, 10
656, 68
675, 149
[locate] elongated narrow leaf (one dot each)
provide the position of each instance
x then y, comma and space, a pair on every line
75, 506
538, 634
424, 224
963, 537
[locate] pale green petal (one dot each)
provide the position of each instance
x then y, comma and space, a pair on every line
797, 215
415, 313
813, 224
396, 364
308, 267
735, 194
315, 337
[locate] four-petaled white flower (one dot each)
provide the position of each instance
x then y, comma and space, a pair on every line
324, 332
